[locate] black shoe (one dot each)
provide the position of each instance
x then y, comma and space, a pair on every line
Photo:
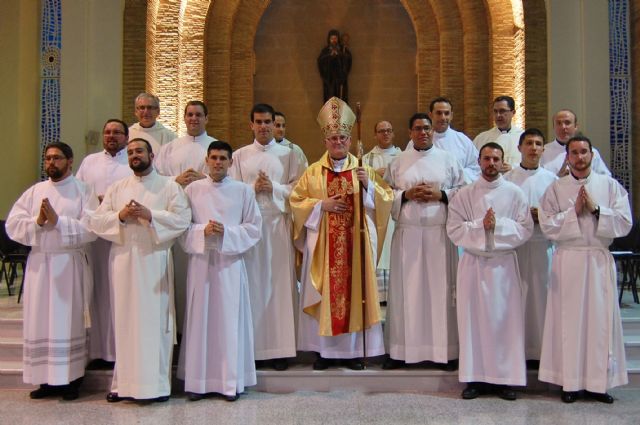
100, 364
260, 364
231, 397
472, 391
194, 396
390, 364
44, 391
70, 392
321, 363
505, 392
354, 364
533, 364
601, 397
569, 396
114, 397
161, 399
280, 364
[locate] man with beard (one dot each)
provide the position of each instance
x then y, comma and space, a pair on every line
554, 158
421, 318
504, 132
534, 257
379, 158
279, 132
489, 219
99, 171
452, 141
582, 213
334, 64
147, 109
217, 351
272, 170
51, 217
141, 216
327, 232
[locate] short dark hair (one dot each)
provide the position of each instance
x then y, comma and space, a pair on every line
438, 100
262, 108
146, 142
530, 132
63, 147
508, 99
579, 138
418, 116
491, 145
220, 145
277, 114
197, 103
122, 123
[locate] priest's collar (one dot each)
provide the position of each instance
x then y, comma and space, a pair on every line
390, 149
224, 180
153, 127
505, 131
338, 164
202, 136
580, 179
121, 152
262, 147
529, 169
490, 184
147, 176
421, 149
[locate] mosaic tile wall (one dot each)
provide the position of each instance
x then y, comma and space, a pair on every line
620, 91
50, 47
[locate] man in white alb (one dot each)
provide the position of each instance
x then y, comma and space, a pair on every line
504, 132
565, 126
147, 110
582, 347
534, 257
489, 219
272, 169
216, 354
100, 170
379, 158
279, 132
142, 215
51, 218
452, 141
421, 313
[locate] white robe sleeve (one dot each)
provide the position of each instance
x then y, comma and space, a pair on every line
281, 192
193, 240
168, 224
237, 239
75, 232
104, 221
471, 166
21, 225
464, 231
557, 224
511, 232
615, 219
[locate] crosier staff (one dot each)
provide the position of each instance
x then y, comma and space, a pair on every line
363, 240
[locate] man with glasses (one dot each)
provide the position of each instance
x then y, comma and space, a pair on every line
379, 158
421, 317
52, 218
503, 133
99, 171
147, 109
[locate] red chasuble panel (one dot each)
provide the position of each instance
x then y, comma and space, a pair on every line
340, 249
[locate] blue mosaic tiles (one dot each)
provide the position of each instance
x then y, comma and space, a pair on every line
620, 91
50, 48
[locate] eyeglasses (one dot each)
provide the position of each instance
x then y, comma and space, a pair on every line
419, 129
113, 133
51, 158
146, 107
385, 131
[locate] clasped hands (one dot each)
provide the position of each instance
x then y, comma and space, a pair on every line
263, 183
47, 214
213, 228
489, 220
188, 177
424, 192
133, 211
584, 203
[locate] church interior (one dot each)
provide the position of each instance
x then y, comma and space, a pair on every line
72, 64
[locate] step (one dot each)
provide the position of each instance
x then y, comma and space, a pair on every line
631, 325
10, 349
632, 347
11, 328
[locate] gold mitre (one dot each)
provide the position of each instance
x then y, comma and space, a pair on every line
336, 117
